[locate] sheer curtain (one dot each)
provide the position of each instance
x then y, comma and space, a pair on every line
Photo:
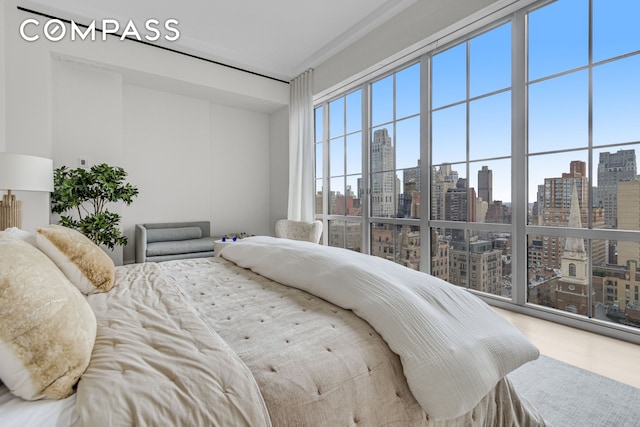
301, 148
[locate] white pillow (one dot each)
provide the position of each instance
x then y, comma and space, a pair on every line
82, 261
47, 328
17, 233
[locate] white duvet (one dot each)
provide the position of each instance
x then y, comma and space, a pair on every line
454, 348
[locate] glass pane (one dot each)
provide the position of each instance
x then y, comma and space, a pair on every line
489, 263
490, 61
319, 193
408, 143
336, 157
336, 118
345, 234
318, 124
559, 113
449, 135
409, 201
354, 153
382, 155
558, 273
611, 166
615, 283
490, 126
319, 160
337, 200
444, 179
354, 111
558, 37
397, 243
616, 101
449, 76
336, 233
382, 101
440, 246
354, 195
383, 194
559, 187
408, 92
491, 185
458, 256
615, 28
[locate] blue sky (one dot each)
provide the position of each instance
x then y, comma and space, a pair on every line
558, 107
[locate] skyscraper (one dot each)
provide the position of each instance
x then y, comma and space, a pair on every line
485, 184
383, 178
613, 168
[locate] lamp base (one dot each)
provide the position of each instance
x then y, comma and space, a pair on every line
10, 212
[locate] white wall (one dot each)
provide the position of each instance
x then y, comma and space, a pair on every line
279, 160
3, 91
193, 136
414, 24
167, 148
240, 171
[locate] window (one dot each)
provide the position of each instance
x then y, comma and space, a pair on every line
506, 159
394, 152
582, 144
471, 156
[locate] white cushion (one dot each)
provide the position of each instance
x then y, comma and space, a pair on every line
17, 233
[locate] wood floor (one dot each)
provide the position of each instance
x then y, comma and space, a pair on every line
606, 356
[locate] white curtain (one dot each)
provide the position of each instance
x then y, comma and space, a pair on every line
301, 189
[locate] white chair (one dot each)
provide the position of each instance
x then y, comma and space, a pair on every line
299, 230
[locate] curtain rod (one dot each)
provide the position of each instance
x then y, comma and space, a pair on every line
68, 21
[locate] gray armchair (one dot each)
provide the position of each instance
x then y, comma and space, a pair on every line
299, 230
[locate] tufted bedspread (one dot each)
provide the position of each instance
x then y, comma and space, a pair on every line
155, 362
203, 342
317, 364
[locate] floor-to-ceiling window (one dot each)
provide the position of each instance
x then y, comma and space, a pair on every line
505, 159
394, 167
583, 112
471, 160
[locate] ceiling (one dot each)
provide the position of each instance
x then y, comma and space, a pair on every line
276, 38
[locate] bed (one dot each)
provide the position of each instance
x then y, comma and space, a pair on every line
274, 332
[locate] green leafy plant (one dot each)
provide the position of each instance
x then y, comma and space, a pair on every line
86, 193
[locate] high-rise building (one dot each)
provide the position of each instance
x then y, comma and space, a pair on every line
628, 211
555, 209
612, 169
383, 177
479, 267
485, 184
442, 179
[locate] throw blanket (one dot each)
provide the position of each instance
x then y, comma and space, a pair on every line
454, 348
156, 363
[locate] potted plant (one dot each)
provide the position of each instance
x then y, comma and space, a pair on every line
87, 193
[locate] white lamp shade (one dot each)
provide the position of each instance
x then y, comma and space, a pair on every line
21, 172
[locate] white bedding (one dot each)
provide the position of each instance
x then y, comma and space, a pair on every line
16, 412
454, 348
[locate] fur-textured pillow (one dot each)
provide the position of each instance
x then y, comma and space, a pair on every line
82, 261
47, 328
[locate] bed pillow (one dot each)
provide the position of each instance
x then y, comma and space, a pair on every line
82, 261
47, 328
17, 233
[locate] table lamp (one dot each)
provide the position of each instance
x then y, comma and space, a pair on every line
19, 172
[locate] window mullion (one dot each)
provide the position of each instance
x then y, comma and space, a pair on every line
519, 162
